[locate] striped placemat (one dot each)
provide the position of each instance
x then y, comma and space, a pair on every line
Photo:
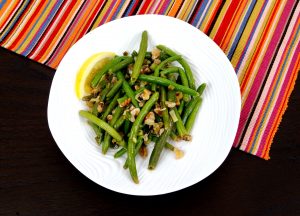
260, 38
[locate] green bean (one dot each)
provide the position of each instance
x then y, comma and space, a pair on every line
165, 113
139, 144
102, 124
127, 125
126, 87
107, 138
104, 92
120, 153
189, 109
161, 65
172, 93
158, 147
182, 75
201, 88
169, 146
191, 119
180, 108
114, 89
182, 132
184, 64
104, 70
184, 82
120, 122
168, 70
121, 65
97, 131
133, 133
111, 106
140, 58
166, 82
192, 103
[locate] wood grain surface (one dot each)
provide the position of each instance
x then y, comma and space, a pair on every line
36, 178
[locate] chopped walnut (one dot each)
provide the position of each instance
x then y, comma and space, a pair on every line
146, 138
161, 131
156, 128
143, 151
158, 110
178, 153
187, 137
150, 118
157, 61
145, 95
134, 112
125, 102
141, 104
155, 53
100, 107
109, 117
179, 96
114, 80
136, 87
170, 104
145, 69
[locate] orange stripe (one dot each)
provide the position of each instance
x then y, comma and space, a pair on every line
112, 12
30, 22
263, 39
212, 16
73, 37
236, 18
263, 108
283, 107
8, 9
175, 8
59, 34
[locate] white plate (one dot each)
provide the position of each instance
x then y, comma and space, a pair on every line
213, 132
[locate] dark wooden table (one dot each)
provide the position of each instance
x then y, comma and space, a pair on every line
36, 178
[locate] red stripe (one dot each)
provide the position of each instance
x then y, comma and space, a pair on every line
226, 21
55, 31
37, 45
196, 13
29, 22
133, 8
145, 6
16, 5
90, 21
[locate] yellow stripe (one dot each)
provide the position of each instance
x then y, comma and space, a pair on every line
183, 9
24, 16
244, 69
188, 10
248, 28
169, 7
36, 28
121, 12
220, 19
208, 14
239, 25
264, 47
275, 95
103, 12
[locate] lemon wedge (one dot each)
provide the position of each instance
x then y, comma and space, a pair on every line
88, 70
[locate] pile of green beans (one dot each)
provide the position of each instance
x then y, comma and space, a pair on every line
141, 98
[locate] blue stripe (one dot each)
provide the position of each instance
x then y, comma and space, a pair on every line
203, 4
241, 29
43, 27
2, 3
15, 21
205, 14
118, 10
130, 8
251, 36
273, 92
